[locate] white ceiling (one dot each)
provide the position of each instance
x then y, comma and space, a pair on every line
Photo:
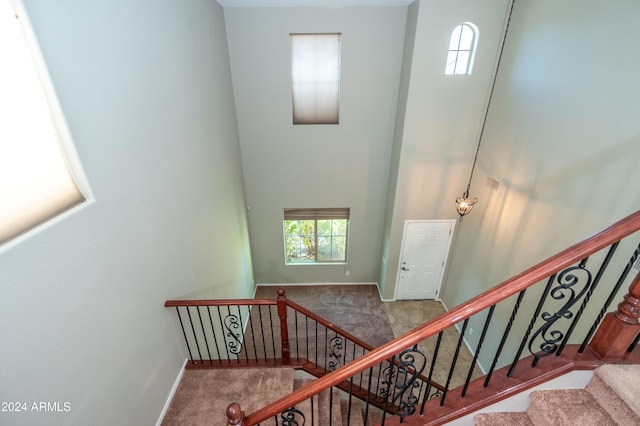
313, 3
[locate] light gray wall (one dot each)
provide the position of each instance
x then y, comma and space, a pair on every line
563, 138
146, 90
403, 93
316, 166
442, 119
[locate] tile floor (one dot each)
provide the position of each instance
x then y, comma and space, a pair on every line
406, 315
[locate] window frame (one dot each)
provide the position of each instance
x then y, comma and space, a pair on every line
316, 215
459, 51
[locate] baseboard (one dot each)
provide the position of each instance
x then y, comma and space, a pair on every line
312, 284
172, 393
382, 297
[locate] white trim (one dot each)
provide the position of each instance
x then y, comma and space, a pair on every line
381, 297
311, 284
172, 393
445, 306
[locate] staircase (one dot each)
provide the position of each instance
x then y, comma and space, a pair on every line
609, 399
203, 396
332, 407
563, 299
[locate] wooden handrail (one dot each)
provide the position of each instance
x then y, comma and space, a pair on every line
219, 302
506, 289
331, 326
350, 336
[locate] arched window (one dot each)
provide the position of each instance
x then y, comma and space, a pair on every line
462, 48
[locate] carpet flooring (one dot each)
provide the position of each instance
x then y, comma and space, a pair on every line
359, 310
355, 308
609, 399
203, 395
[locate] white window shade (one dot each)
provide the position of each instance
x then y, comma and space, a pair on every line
35, 181
315, 71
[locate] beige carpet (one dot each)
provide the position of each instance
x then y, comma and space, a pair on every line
203, 396
359, 310
609, 399
355, 308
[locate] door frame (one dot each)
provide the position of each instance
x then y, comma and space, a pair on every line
446, 257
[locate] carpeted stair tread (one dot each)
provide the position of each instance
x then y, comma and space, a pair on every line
308, 407
329, 402
203, 395
374, 416
503, 419
567, 407
623, 379
611, 402
351, 413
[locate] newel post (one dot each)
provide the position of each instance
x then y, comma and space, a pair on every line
284, 331
619, 329
235, 415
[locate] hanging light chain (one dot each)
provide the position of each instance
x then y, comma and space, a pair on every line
464, 204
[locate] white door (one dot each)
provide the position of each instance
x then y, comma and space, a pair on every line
425, 247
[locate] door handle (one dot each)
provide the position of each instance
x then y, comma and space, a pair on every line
405, 269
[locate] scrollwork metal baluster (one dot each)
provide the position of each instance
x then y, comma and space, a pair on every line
335, 352
412, 364
292, 417
232, 325
587, 296
389, 374
435, 394
567, 283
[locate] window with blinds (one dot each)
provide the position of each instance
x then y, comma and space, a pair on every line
316, 235
315, 74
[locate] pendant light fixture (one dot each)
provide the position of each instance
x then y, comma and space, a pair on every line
465, 203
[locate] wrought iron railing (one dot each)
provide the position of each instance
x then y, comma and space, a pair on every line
552, 308
279, 332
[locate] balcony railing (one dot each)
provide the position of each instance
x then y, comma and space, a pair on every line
550, 315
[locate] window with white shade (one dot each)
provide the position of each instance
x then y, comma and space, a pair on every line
462, 47
35, 181
315, 74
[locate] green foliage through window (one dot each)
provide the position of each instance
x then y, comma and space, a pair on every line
316, 240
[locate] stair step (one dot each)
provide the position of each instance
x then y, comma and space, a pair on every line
308, 407
503, 419
618, 382
204, 394
351, 413
611, 402
331, 403
567, 407
374, 416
